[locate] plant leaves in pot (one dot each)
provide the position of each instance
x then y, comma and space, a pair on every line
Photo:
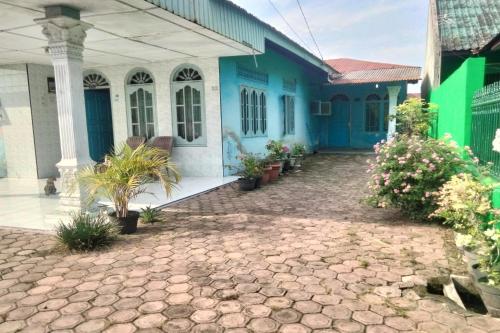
126, 175
251, 170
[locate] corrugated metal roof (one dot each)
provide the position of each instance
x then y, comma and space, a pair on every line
355, 71
467, 24
232, 21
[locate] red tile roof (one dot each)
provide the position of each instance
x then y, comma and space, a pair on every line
353, 71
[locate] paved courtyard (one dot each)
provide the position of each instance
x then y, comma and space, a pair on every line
301, 255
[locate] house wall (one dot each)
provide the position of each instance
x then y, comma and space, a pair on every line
357, 94
277, 67
45, 121
192, 161
16, 122
454, 99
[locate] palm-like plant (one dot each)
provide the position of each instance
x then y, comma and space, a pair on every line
126, 172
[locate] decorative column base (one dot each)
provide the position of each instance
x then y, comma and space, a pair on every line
71, 197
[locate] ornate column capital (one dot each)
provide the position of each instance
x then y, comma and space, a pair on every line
393, 91
65, 35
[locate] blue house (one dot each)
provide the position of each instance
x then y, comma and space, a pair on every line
279, 96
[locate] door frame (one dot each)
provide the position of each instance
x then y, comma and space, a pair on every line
102, 85
349, 117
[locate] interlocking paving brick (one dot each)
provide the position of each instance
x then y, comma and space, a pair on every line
271, 260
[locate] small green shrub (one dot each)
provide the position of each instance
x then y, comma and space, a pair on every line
251, 166
489, 251
86, 232
149, 215
414, 117
464, 203
408, 170
298, 149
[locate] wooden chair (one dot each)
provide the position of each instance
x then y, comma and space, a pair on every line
165, 143
135, 141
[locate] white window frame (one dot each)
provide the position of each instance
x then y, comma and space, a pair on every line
289, 114
253, 115
131, 88
175, 87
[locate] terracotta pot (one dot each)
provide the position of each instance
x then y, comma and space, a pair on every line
275, 171
128, 225
266, 176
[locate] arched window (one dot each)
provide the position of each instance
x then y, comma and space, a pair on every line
141, 104
372, 113
340, 98
188, 103
95, 81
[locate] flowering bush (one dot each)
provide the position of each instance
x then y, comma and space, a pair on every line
276, 149
464, 203
407, 170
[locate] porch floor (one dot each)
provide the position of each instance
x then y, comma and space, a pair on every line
23, 203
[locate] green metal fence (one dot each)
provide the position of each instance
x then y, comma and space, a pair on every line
485, 122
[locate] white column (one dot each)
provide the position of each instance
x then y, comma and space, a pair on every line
65, 40
393, 102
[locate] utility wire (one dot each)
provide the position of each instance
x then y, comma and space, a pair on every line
290, 27
309, 28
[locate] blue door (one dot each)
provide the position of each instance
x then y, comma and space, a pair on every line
99, 123
339, 124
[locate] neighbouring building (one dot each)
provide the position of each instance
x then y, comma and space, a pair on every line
362, 95
462, 56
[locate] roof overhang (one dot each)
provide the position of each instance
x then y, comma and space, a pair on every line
386, 75
124, 32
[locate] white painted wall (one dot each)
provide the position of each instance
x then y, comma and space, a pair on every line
45, 123
192, 161
17, 122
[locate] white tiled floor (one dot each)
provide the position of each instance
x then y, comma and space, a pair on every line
23, 203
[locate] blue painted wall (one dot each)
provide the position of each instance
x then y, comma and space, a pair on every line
277, 65
324, 126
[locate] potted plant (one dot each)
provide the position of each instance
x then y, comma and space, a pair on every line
488, 282
251, 171
277, 152
266, 171
297, 154
126, 175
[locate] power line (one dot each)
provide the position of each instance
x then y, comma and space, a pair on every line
309, 28
290, 27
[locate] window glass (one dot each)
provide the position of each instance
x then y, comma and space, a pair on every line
253, 110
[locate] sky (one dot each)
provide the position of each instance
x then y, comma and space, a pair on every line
390, 31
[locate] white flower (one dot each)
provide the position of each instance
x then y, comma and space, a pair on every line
496, 141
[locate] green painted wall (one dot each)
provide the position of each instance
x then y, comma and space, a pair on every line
454, 99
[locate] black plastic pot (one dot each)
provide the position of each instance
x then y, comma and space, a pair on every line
247, 184
258, 182
128, 225
287, 166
